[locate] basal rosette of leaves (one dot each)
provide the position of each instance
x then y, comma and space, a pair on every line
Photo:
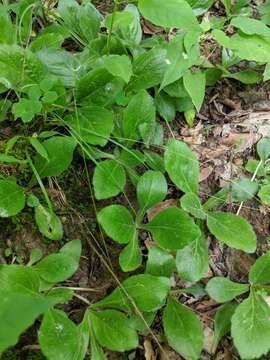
102, 102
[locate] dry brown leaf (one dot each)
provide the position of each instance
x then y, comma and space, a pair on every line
205, 173
208, 339
168, 354
148, 350
267, 300
160, 206
151, 29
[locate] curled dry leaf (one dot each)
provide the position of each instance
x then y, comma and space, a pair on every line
148, 350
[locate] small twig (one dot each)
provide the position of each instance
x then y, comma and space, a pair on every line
31, 347
252, 179
82, 299
80, 289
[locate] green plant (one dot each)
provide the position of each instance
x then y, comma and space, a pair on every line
249, 321
100, 101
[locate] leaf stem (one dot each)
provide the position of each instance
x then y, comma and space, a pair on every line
252, 179
48, 201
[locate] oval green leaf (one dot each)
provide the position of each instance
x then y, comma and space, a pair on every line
117, 223
183, 330
233, 230
182, 166
12, 198
173, 228
151, 189
222, 289
109, 179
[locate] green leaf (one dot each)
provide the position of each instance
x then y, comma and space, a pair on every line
131, 158
83, 21
59, 337
113, 331
19, 279
5, 105
97, 87
222, 289
126, 24
131, 256
190, 117
252, 165
139, 112
32, 200
16, 319
60, 153
182, 166
109, 179
154, 161
233, 230
192, 204
266, 74
176, 89
183, 330
63, 64
148, 293
173, 229
243, 189
19, 67
8, 33
195, 85
73, 249
222, 324
59, 267
159, 262
142, 322
169, 14
35, 256
44, 41
96, 350
119, 65
245, 76
227, 5
151, 189
192, 261
247, 47
178, 61
26, 109
251, 327
92, 124
264, 194
62, 295
165, 106
263, 149
12, 198
251, 26
40, 149
149, 69
48, 223
11, 159
199, 7
260, 271
117, 223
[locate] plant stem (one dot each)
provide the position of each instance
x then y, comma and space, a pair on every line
111, 27
252, 179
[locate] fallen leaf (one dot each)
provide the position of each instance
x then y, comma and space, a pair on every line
208, 339
148, 350
160, 206
205, 173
